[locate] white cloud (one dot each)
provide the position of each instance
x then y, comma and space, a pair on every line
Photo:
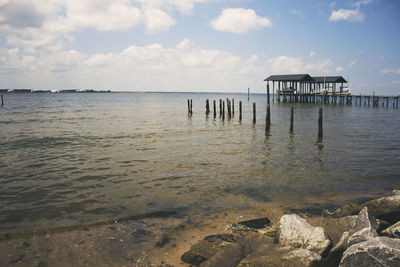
353, 63
239, 20
183, 67
353, 15
297, 13
339, 69
47, 25
184, 6
362, 2
388, 71
312, 53
285, 64
157, 20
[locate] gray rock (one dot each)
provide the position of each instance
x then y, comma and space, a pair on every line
361, 236
305, 256
392, 231
363, 230
206, 248
384, 208
379, 251
395, 192
296, 232
364, 220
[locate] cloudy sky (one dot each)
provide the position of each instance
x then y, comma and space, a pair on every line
197, 45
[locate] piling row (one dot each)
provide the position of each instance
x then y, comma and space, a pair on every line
230, 113
337, 99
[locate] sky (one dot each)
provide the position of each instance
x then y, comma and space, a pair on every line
197, 45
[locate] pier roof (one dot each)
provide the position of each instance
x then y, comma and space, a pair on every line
290, 78
330, 79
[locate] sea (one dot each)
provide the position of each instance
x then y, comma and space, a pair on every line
70, 159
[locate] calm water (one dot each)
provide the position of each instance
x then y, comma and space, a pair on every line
71, 159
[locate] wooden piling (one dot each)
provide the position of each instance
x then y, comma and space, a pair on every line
319, 124
2, 101
228, 107
254, 112
207, 107
268, 93
240, 110
233, 107
220, 108
188, 101
191, 106
291, 119
248, 94
268, 119
223, 110
215, 111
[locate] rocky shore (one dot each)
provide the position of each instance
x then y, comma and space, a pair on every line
366, 234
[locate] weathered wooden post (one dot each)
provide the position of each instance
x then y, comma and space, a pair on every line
2, 101
248, 94
223, 110
319, 124
268, 119
240, 110
188, 101
228, 107
268, 93
191, 106
215, 111
233, 107
220, 108
207, 107
254, 112
291, 119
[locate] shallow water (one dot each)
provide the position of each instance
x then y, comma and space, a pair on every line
76, 159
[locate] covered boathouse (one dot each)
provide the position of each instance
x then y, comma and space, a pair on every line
298, 87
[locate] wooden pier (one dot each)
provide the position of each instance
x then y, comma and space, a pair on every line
302, 88
358, 100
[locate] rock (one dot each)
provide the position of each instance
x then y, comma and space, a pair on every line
384, 208
361, 236
395, 192
364, 220
256, 223
392, 231
305, 256
208, 247
200, 252
364, 229
379, 251
294, 231
228, 256
275, 256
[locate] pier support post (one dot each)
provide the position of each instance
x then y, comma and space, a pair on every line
268, 93
254, 112
291, 119
268, 119
240, 110
188, 102
320, 125
191, 106
233, 107
220, 108
215, 109
2, 101
223, 110
207, 107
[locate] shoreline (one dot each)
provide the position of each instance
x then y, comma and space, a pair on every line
145, 241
